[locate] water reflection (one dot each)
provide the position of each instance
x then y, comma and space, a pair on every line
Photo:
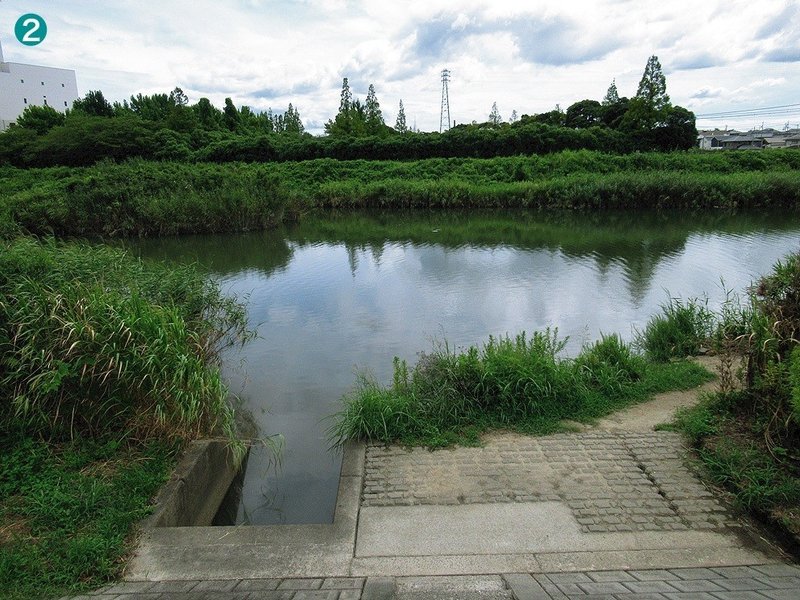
346, 292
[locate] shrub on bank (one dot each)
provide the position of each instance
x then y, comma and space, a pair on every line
749, 439
520, 383
140, 198
93, 341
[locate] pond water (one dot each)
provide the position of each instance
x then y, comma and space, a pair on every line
336, 296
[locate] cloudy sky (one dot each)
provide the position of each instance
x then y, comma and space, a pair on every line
528, 56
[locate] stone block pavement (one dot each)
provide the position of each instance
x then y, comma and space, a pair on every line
761, 582
610, 513
610, 481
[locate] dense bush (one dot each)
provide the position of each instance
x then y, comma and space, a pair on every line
679, 331
160, 198
94, 341
144, 198
519, 383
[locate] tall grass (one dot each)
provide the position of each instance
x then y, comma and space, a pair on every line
520, 383
145, 198
680, 330
93, 341
749, 439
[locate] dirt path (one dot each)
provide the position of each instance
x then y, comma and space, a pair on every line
661, 409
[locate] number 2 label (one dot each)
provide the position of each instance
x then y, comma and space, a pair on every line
30, 29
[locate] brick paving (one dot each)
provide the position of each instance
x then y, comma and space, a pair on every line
610, 481
762, 582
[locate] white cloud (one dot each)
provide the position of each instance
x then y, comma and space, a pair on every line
526, 56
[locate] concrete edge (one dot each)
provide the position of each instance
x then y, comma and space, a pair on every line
196, 487
348, 498
342, 530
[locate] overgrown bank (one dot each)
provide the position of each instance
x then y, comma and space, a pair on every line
107, 366
522, 384
161, 198
748, 435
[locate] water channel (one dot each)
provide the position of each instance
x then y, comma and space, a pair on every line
343, 294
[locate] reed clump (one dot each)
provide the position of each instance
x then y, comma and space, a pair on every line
95, 342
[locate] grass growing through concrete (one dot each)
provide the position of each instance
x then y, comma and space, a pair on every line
516, 383
67, 510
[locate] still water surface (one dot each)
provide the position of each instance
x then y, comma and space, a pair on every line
339, 295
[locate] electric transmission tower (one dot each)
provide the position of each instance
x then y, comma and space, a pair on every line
444, 115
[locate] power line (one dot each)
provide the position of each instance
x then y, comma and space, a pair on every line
766, 111
445, 109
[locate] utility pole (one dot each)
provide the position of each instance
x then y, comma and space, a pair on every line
444, 114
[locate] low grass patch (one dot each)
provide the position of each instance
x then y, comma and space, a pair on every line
518, 383
67, 511
729, 437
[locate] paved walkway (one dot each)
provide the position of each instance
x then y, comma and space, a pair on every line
761, 582
613, 512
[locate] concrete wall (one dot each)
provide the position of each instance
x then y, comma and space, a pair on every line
197, 486
24, 85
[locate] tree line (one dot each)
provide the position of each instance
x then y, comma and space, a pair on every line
168, 127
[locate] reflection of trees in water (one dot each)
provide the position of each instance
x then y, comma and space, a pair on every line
637, 241
221, 254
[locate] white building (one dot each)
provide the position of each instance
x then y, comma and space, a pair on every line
25, 85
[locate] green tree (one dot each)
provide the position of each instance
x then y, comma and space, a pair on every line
372, 113
678, 130
208, 115
342, 124
266, 121
552, 117
612, 114
93, 104
230, 116
346, 98
513, 118
40, 119
653, 85
494, 116
292, 123
178, 97
400, 124
156, 107
612, 95
583, 114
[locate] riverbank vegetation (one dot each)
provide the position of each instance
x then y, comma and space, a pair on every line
144, 198
521, 383
107, 366
748, 434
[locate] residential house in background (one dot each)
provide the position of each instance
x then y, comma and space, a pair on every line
757, 139
23, 85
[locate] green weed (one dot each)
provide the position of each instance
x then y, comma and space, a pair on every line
67, 511
93, 341
520, 383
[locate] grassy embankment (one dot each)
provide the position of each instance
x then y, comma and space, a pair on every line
521, 384
107, 365
153, 198
747, 435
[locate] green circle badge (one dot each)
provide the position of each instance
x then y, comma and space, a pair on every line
30, 29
